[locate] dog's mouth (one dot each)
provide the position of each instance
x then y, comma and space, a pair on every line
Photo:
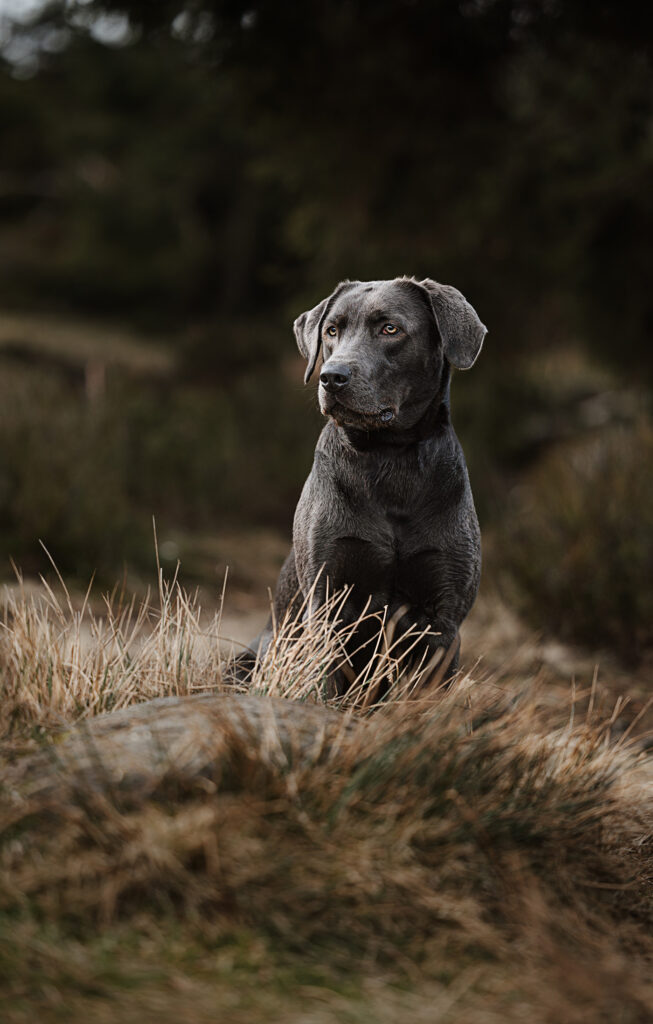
345, 415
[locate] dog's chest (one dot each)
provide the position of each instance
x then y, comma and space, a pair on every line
392, 483
393, 505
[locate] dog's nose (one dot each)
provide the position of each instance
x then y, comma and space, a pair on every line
334, 376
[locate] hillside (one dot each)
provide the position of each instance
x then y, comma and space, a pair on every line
459, 855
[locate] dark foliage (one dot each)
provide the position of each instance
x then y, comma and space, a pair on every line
229, 158
579, 545
206, 170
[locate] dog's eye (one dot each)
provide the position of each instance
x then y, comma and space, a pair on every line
389, 329
331, 330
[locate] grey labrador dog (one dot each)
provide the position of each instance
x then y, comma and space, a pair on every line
387, 507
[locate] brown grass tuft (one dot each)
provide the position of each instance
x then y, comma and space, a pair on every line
453, 841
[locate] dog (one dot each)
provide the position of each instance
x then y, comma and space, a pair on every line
387, 508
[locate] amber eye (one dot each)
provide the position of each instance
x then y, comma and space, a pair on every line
389, 329
332, 330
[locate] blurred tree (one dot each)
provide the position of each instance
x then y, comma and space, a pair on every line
127, 190
229, 158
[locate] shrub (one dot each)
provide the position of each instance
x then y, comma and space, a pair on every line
62, 475
579, 542
87, 477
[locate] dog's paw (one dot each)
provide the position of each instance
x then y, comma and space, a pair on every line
427, 647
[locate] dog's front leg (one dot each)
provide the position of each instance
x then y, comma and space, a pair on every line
423, 641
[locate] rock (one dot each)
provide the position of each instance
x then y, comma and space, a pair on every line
134, 750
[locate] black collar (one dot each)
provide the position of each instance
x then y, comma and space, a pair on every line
434, 421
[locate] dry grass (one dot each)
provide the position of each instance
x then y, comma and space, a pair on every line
454, 856
61, 663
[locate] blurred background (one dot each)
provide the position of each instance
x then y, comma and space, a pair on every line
178, 180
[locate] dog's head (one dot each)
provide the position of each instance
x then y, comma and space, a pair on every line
385, 345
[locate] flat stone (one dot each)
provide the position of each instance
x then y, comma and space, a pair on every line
135, 749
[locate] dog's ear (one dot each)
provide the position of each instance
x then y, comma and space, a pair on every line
460, 328
308, 332
308, 329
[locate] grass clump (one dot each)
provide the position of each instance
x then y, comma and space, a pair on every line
452, 856
61, 662
580, 550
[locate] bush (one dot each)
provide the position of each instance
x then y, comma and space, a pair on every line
86, 477
579, 548
62, 475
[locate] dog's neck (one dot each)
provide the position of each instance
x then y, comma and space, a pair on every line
433, 422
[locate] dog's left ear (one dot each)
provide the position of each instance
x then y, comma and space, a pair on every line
460, 327
308, 329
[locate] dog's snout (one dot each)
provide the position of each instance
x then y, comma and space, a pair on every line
334, 376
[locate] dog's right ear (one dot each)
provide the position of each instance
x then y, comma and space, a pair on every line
308, 330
